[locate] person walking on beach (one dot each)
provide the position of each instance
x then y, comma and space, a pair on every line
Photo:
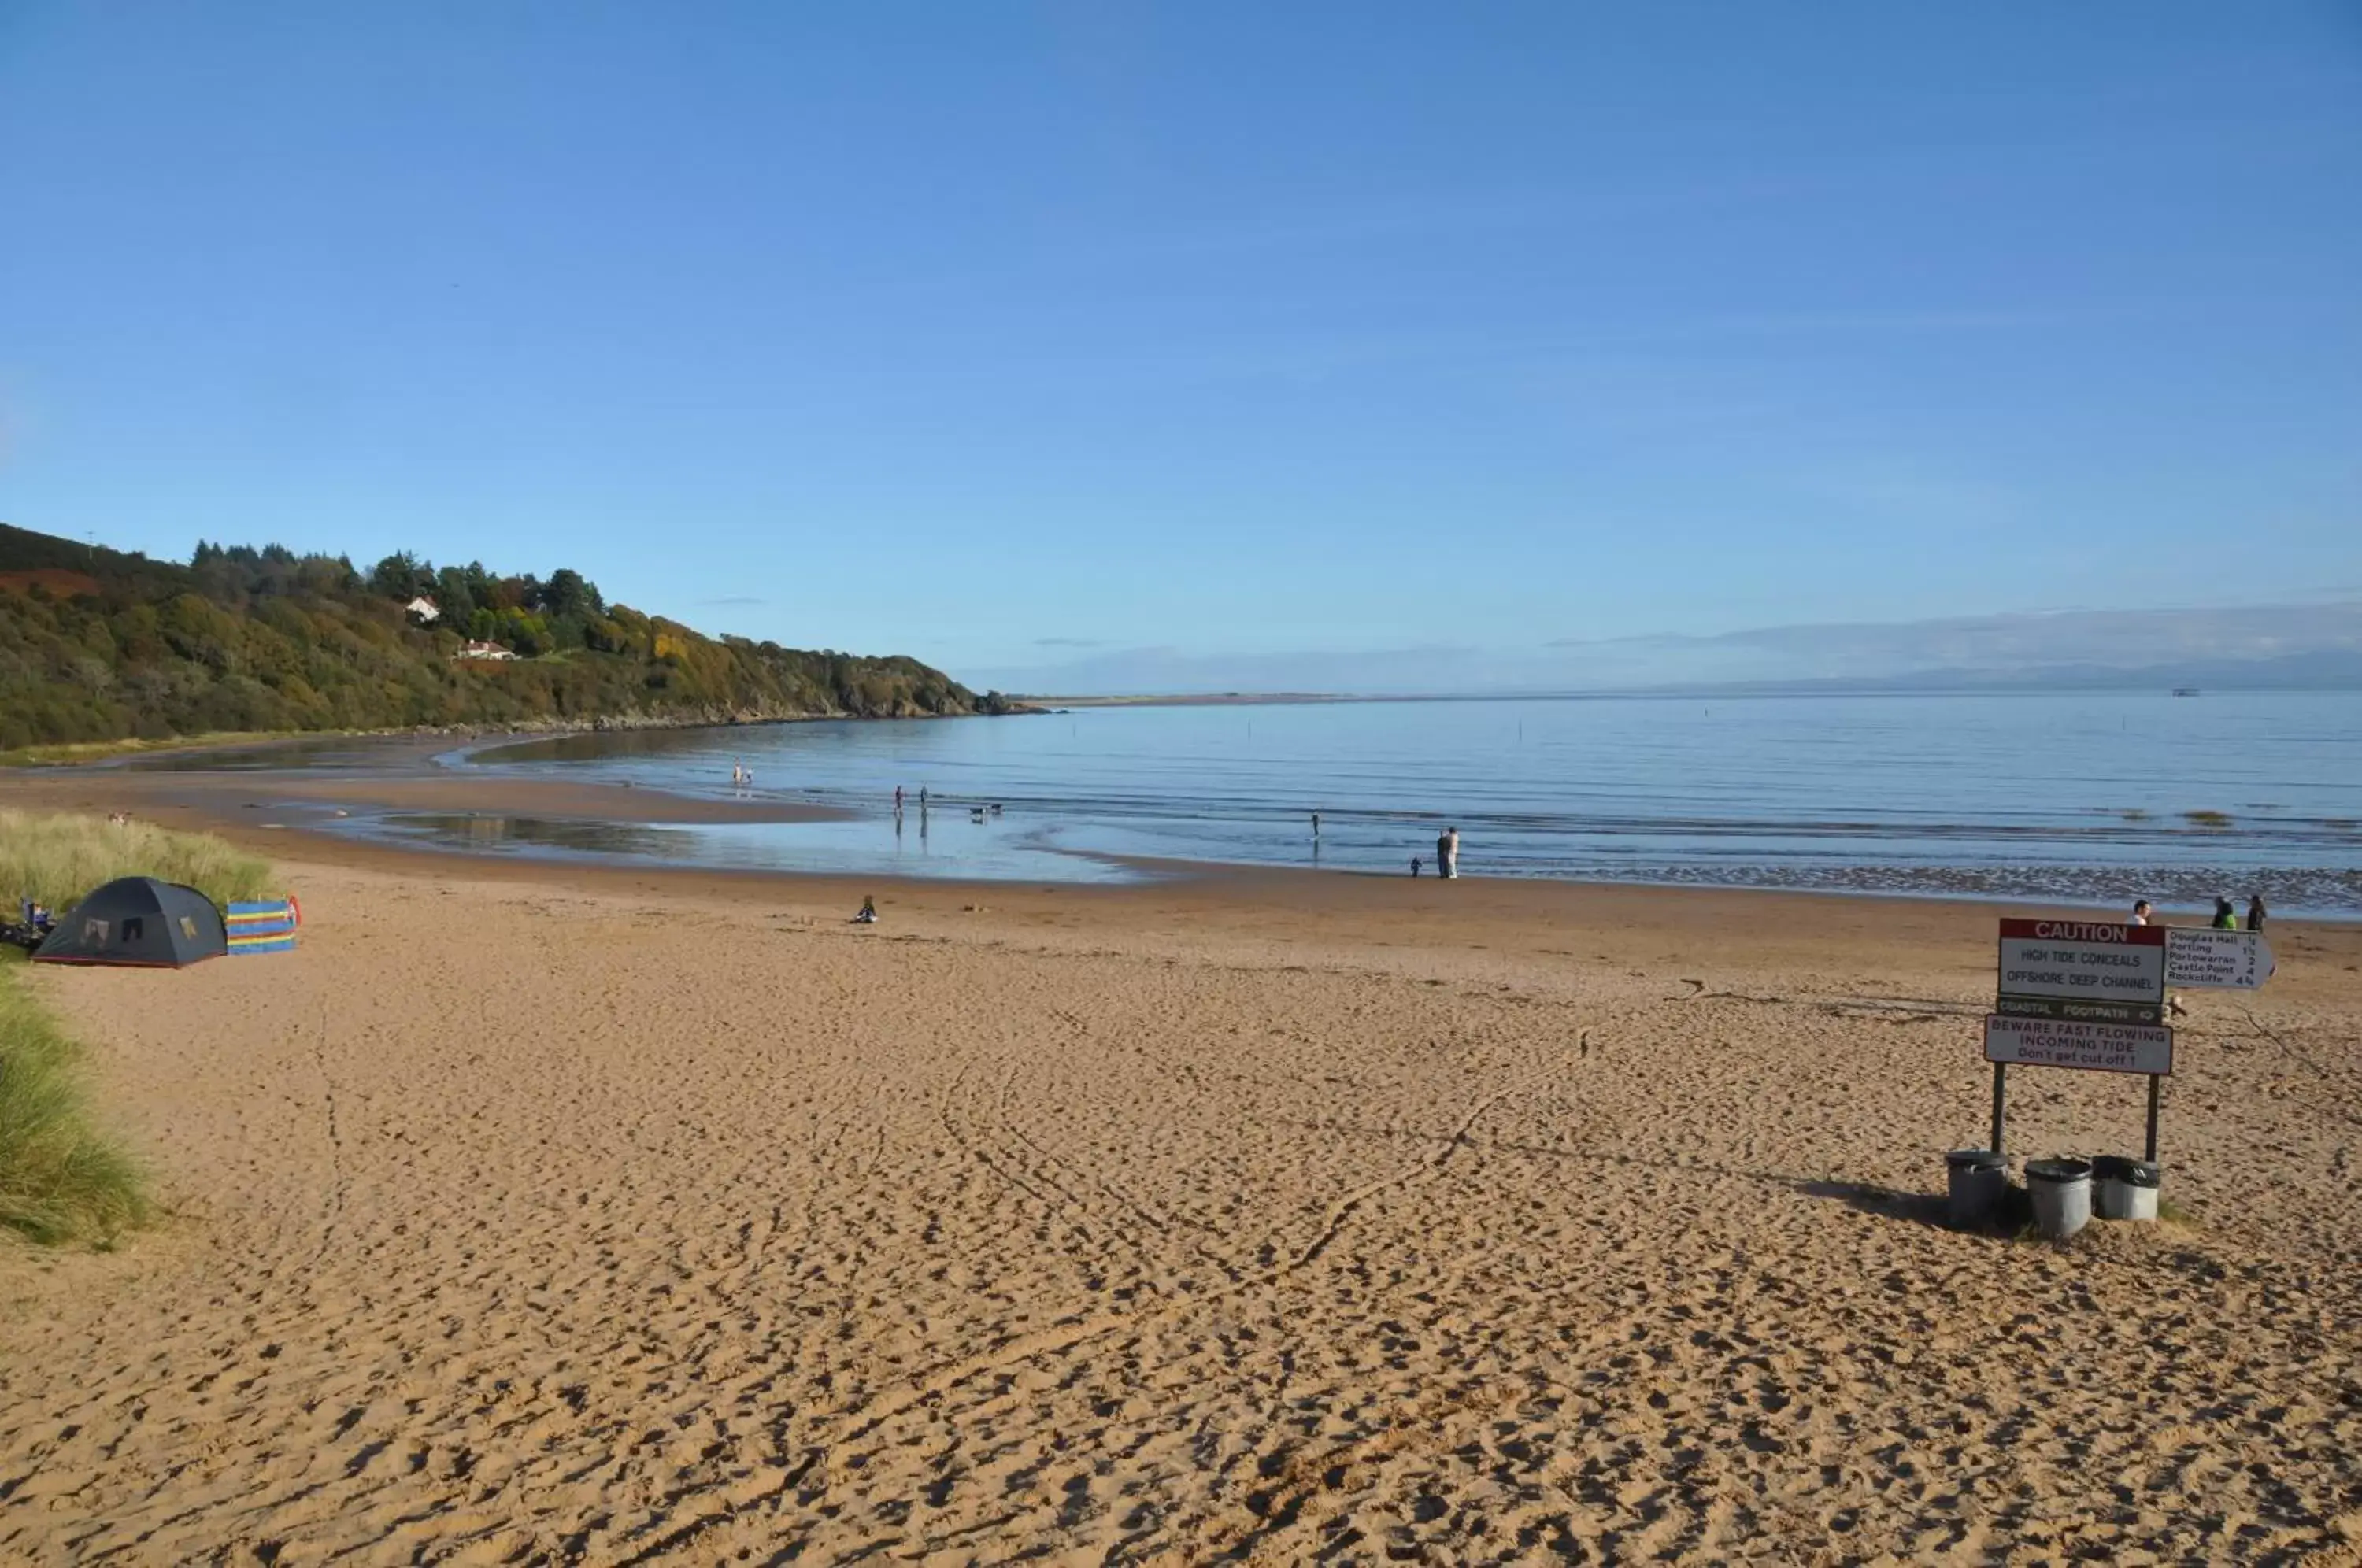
2255, 911
2226, 916
897, 800
1414, 868
1447, 854
1315, 824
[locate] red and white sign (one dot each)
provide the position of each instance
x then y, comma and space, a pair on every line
2066, 1043
2107, 967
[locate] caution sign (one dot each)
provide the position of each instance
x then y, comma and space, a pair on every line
2066, 1043
2081, 971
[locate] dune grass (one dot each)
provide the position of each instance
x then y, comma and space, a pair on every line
57, 857
61, 1179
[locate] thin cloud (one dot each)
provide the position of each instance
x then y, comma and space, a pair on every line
732, 598
1068, 643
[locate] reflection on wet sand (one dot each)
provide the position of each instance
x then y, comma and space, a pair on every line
985, 851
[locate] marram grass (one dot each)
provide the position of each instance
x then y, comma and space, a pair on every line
57, 857
61, 1179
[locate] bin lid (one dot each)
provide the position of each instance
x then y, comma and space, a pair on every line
2065, 1169
1974, 1160
2125, 1169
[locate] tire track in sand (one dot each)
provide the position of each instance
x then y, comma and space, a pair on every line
335, 1212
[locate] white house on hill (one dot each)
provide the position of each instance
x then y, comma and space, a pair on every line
484, 650
424, 609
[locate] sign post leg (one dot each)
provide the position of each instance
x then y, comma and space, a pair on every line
1999, 1069
2155, 1084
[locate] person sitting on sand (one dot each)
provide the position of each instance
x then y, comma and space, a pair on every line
868, 915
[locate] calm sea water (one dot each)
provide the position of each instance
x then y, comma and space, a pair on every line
2085, 797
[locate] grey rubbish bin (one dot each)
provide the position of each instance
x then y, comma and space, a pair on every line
2061, 1190
2123, 1188
1978, 1179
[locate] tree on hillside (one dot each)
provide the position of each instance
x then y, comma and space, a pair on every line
454, 596
569, 594
401, 575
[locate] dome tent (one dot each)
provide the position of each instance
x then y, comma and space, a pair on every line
138, 921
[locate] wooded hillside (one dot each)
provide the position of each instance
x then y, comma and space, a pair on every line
96, 645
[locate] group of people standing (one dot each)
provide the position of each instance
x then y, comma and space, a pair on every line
2226, 913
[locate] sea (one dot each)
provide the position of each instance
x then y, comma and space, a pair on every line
2085, 798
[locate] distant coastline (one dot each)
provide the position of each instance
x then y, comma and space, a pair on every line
1651, 694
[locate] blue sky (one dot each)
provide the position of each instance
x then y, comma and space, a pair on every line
1008, 336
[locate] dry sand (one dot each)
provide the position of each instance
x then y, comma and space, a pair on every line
538, 1216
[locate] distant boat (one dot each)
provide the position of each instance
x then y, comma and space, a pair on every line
2185, 691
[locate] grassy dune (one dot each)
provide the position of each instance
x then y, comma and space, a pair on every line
61, 1179
57, 858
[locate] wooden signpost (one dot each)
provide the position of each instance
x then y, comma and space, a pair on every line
2091, 995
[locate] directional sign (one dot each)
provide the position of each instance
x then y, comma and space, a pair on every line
2091, 971
2226, 960
2080, 1011
2061, 1043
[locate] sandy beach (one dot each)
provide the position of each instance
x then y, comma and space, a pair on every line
543, 1214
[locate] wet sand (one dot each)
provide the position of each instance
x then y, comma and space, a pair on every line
403, 780
540, 1213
